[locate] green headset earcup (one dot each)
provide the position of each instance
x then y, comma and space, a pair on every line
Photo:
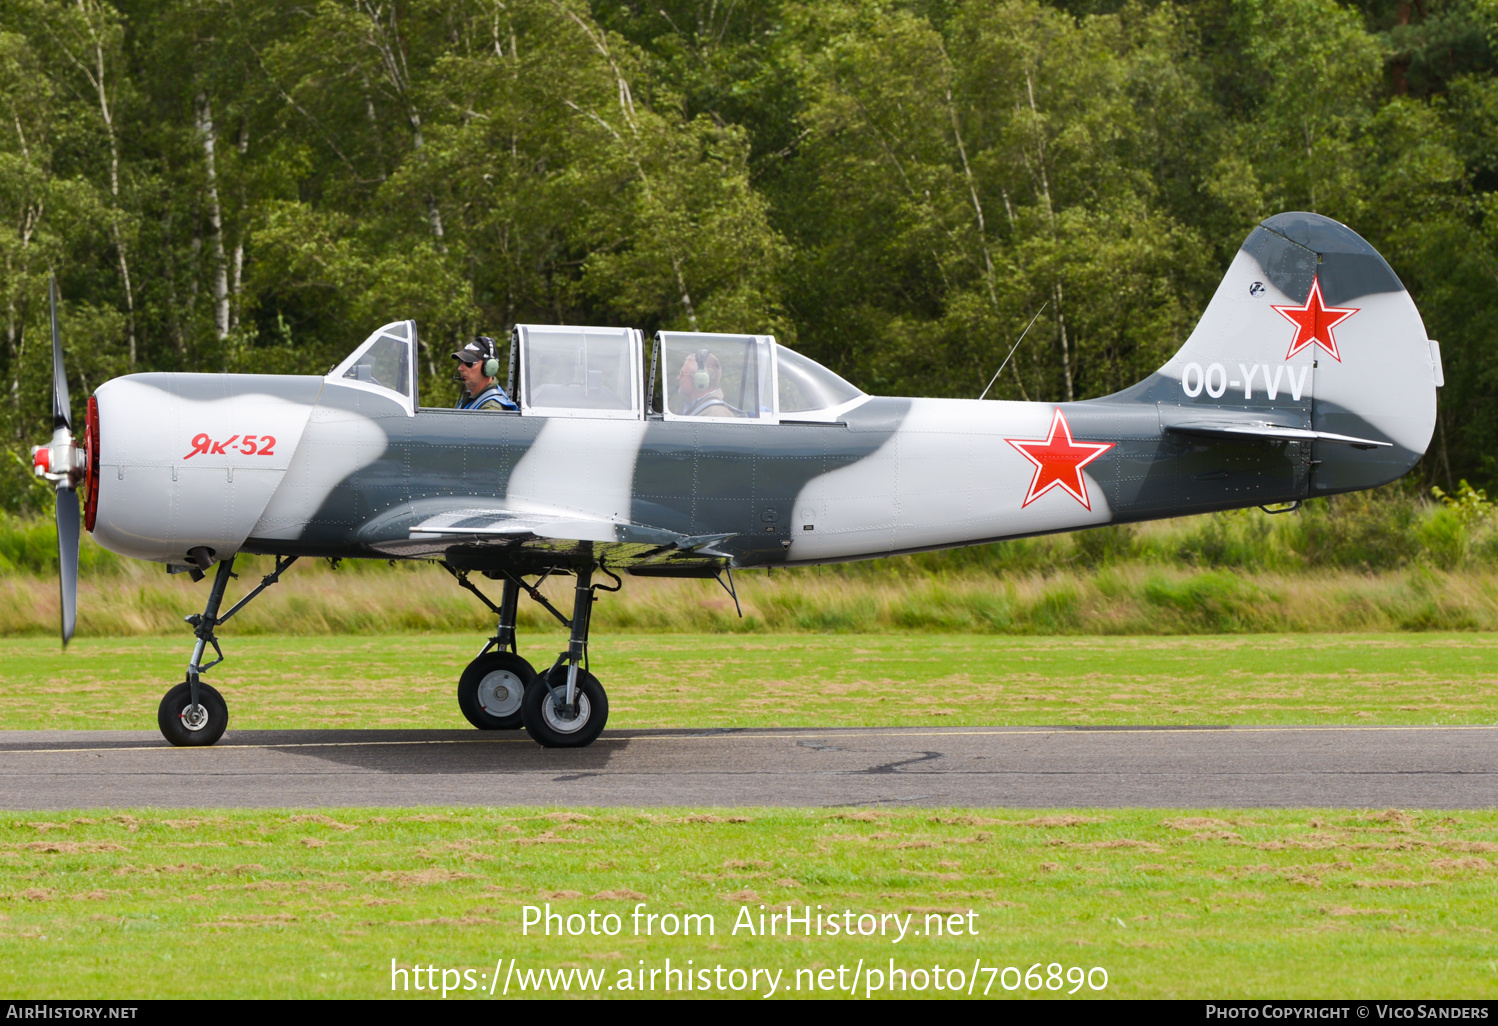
491, 367
701, 378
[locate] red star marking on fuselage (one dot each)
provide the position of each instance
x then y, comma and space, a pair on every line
1059, 461
1314, 322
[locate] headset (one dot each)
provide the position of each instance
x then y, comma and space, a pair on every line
700, 380
491, 362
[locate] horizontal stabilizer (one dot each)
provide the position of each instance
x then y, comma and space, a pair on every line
1260, 429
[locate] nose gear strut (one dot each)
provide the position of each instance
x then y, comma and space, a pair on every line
193, 713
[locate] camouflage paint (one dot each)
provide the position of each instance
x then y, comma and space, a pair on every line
362, 476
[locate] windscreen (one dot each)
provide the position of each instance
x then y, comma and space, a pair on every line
385, 363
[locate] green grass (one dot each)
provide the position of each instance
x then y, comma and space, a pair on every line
800, 680
1301, 903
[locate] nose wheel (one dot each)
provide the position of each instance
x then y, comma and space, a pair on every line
492, 689
187, 725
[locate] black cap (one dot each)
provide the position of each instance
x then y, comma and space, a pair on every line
477, 351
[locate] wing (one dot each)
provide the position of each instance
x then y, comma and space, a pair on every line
491, 534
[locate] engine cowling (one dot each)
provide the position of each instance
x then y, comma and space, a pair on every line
191, 460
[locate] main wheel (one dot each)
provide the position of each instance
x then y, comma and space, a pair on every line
566, 728
187, 726
492, 688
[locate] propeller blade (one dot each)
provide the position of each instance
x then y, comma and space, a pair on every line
67, 559
62, 410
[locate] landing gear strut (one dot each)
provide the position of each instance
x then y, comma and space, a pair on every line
565, 707
571, 709
493, 686
193, 713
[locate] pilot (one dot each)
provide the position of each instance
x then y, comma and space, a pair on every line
698, 384
478, 365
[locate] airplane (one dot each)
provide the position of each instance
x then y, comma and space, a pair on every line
1309, 374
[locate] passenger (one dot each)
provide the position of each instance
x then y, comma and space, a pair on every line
478, 366
698, 384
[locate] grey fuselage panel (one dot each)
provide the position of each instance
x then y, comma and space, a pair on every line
705, 478
690, 478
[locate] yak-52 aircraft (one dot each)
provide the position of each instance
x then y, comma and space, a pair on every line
1309, 374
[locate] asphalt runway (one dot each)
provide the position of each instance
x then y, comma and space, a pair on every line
1024, 767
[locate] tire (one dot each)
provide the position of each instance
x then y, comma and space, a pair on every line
492, 690
554, 731
171, 716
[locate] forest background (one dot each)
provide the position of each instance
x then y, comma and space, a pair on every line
893, 188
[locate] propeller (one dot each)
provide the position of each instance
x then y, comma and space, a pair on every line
62, 465
62, 410
67, 559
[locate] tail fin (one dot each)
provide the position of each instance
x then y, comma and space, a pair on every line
1313, 333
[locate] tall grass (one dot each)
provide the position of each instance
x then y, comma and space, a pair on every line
1134, 598
1376, 562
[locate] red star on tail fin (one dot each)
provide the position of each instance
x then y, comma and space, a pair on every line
1314, 322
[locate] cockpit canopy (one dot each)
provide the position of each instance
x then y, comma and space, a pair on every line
720, 376
744, 378
599, 373
569, 371
804, 386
